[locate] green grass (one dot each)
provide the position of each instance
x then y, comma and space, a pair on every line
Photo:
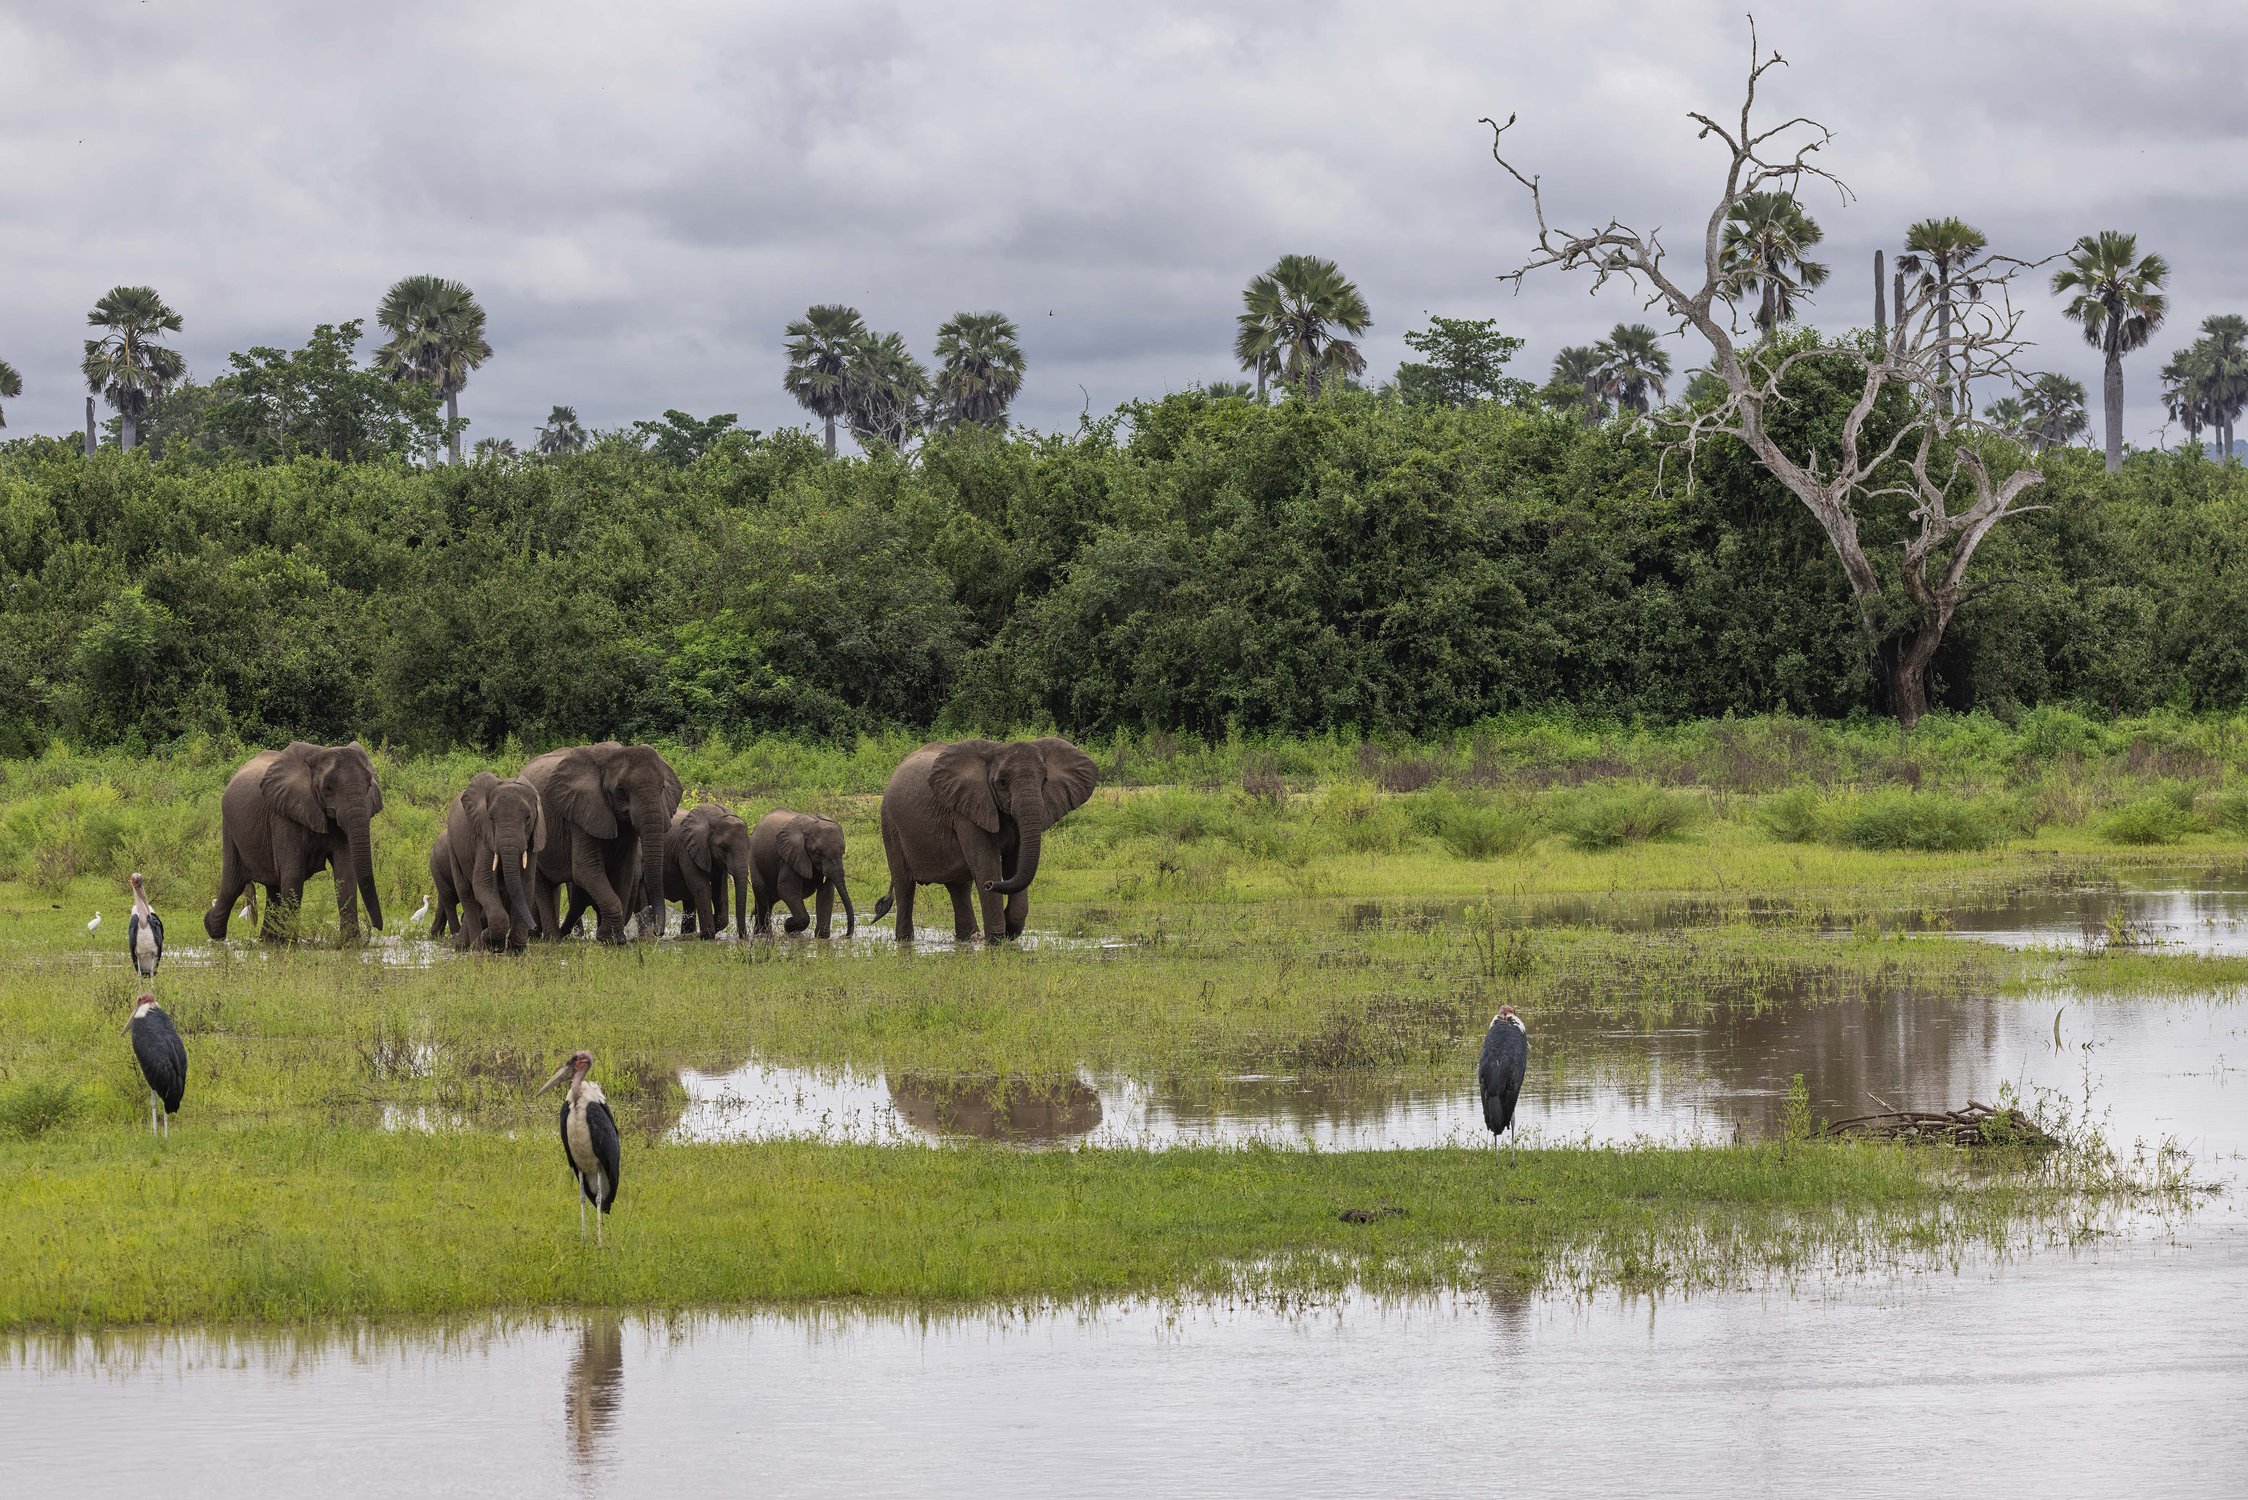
283, 1223
1271, 909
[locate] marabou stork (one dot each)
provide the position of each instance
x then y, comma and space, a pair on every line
589, 1139
1506, 1057
163, 1060
144, 933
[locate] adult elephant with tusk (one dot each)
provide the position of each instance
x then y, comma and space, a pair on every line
607, 806
287, 815
791, 853
972, 816
493, 830
708, 846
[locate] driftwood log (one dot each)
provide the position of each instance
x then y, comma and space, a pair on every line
1976, 1125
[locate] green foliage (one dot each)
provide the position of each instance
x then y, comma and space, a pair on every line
1914, 820
1795, 816
1611, 816
2150, 820
36, 1106
679, 439
1463, 361
277, 404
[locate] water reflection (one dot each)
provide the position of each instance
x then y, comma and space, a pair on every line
2158, 1068
2117, 1371
594, 1389
2204, 919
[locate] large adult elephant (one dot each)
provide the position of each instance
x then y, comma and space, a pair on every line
707, 846
971, 815
791, 853
286, 816
606, 805
493, 830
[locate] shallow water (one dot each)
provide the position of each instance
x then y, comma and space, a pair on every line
2122, 1371
2156, 1068
2204, 917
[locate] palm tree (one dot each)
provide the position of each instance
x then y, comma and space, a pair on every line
979, 367
1936, 250
2056, 410
2185, 391
1766, 235
2008, 417
2225, 337
820, 348
125, 365
436, 337
1289, 324
884, 389
2117, 296
1220, 390
11, 386
491, 450
1634, 365
1580, 379
561, 434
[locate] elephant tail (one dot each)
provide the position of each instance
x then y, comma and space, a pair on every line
882, 907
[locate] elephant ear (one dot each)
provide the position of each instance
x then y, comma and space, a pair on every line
476, 797
538, 817
793, 849
1070, 775
698, 831
288, 787
577, 791
374, 787
961, 778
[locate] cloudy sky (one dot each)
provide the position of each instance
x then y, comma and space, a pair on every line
643, 195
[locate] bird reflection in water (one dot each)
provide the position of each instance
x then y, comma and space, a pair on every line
595, 1388
1014, 1109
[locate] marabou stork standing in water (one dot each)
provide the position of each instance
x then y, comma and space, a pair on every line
163, 1060
1506, 1057
144, 933
589, 1139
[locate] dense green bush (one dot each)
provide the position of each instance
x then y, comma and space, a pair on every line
2150, 820
1191, 566
1915, 820
1609, 816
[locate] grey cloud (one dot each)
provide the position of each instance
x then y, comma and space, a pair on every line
643, 196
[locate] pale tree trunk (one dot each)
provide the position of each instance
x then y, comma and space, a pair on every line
452, 422
831, 434
1943, 333
127, 429
1880, 309
2112, 388
90, 440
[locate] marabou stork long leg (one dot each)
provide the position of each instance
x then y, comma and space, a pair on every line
600, 1188
580, 1181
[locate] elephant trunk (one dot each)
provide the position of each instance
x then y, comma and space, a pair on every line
513, 853
1032, 834
850, 917
362, 841
653, 822
739, 874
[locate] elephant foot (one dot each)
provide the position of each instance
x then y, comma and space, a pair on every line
214, 926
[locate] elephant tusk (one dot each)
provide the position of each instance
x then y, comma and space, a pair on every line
526, 859
495, 864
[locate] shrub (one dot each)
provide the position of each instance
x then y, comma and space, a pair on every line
33, 1108
1625, 815
2229, 810
1916, 820
1795, 816
2150, 820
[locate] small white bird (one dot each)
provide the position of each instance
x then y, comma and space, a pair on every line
244, 914
95, 924
421, 912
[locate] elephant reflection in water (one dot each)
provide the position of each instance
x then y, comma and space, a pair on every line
1015, 1109
595, 1387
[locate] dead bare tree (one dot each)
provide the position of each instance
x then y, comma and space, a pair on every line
1899, 441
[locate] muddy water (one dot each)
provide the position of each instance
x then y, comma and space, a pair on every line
2154, 1069
2123, 1371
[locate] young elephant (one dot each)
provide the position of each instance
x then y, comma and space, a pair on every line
447, 899
791, 853
495, 829
707, 847
971, 817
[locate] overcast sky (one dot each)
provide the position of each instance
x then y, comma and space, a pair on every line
643, 195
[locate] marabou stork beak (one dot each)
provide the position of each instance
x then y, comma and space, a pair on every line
559, 1074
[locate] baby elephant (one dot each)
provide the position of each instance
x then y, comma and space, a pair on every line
706, 847
791, 853
494, 830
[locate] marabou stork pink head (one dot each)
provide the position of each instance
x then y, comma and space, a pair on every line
1506, 1013
579, 1064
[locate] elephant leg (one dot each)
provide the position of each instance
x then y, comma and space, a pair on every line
792, 896
232, 880
281, 899
1018, 912
963, 911
823, 907
697, 904
983, 873
489, 905
590, 882
761, 898
902, 888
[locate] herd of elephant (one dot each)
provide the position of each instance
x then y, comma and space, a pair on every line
604, 821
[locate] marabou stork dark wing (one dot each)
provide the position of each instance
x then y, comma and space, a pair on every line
162, 1057
133, 930
156, 928
601, 1127
1506, 1057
